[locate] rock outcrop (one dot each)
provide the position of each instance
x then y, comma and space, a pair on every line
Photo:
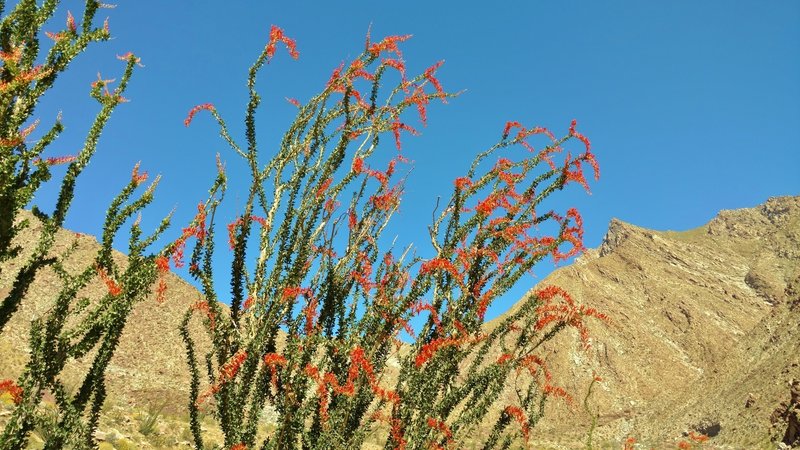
702, 320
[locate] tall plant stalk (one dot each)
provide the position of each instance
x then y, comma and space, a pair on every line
318, 300
75, 327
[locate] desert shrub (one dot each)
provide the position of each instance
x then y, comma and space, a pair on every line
318, 299
75, 326
147, 424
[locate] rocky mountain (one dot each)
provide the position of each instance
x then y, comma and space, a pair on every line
704, 337
147, 375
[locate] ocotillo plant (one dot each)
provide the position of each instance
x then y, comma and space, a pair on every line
74, 326
23, 169
314, 318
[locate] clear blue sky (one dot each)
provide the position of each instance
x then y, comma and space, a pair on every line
691, 106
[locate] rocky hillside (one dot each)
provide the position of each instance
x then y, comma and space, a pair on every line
705, 331
147, 374
704, 337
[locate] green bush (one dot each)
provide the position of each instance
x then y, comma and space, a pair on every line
73, 327
318, 299
315, 314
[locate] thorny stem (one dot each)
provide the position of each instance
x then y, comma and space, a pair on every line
312, 330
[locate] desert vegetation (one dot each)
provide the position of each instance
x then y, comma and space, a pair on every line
341, 338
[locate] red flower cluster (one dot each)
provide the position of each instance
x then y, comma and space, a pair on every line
388, 200
557, 391
429, 350
358, 165
12, 388
341, 83
12, 56
55, 36
128, 56
532, 363
196, 228
138, 178
629, 443
397, 126
231, 367
276, 35
226, 373
335, 81
418, 307
357, 71
359, 363
494, 200
20, 138
483, 300
363, 274
421, 100
398, 65
113, 287
698, 437
323, 187
463, 183
195, 110
525, 132
56, 160
273, 361
465, 257
248, 302
24, 77
579, 136
162, 266
572, 234
71, 22
439, 264
398, 435
388, 45
573, 170
441, 427
310, 312
291, 293
235, 225
504, 358
505, 197
381, 177
567, 312
519, 415
429, 75
330, 203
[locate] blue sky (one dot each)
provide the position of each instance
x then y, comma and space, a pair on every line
691, 107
